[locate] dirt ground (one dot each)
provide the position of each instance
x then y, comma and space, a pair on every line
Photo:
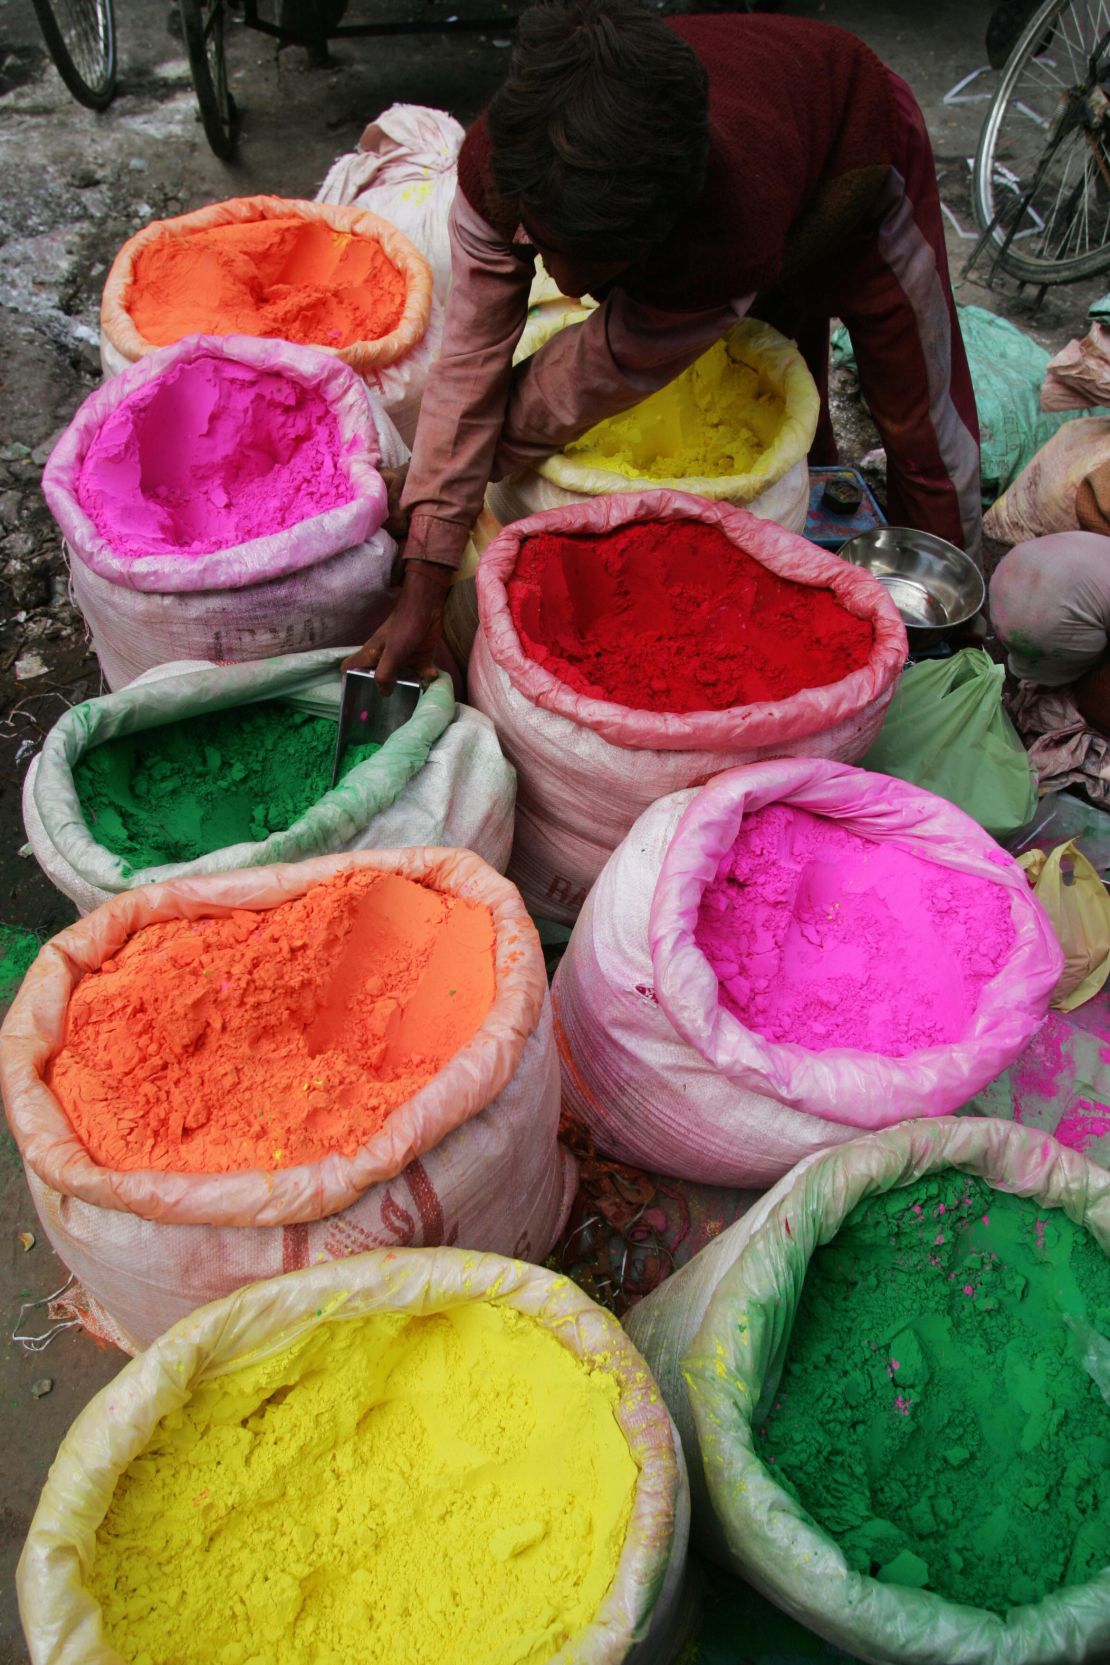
73, 185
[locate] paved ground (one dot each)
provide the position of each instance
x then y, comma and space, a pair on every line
72, 187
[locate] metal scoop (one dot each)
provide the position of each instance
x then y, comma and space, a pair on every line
367, 718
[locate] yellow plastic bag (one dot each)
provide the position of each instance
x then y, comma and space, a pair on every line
1076, 900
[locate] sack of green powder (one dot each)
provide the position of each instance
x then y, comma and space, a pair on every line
780, 411
587, 767
439, 780
471, 1159
666, 1078
321, 582
639, 1620
945, 730
717, 1336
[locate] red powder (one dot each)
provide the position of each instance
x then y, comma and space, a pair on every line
671, 616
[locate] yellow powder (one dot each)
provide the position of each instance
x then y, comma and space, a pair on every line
715, 419
443, 1490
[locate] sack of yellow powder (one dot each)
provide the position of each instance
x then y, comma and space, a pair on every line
736, 428
718, 1333
662, 621
470, 1158
1075, 899
417, 1456
341, 280
164, 790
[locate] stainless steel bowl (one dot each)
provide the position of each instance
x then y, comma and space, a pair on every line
934, 585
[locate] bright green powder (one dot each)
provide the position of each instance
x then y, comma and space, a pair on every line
17, 951
934, 1414
230, 777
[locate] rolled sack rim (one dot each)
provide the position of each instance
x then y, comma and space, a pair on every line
467, 1084
117, 325
762, 723
116, 1425
304, 544
805, 1570
779, 360
845, 1084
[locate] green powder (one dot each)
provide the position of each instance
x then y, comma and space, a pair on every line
934, 1414
17, 950
230, 777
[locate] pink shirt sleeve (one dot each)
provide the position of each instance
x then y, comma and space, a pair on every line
480, 419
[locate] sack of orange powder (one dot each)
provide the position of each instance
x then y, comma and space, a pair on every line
225, 270
471, 1158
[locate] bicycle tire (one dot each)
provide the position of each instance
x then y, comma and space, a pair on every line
203, 25
1030, 46
91, 82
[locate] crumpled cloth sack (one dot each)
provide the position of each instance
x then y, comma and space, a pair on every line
1044, 497
395, 366
1076, 901
776, 488
665, 1077
587, 768
717, 1333
1063, 751
440, 779
405, 169
1079, 374
471, 1158
319, 583
635, 1624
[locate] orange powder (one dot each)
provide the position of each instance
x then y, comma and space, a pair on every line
297, 279
265, 1039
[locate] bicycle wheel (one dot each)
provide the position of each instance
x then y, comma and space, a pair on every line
1042, 171
203, 23
80, 36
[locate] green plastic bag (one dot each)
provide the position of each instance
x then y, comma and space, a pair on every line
946, 731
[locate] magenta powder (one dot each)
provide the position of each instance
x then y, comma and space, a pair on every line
826, 939
208, 455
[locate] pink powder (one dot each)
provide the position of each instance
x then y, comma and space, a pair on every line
826, 939
210, 454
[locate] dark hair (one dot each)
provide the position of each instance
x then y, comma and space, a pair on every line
601, 132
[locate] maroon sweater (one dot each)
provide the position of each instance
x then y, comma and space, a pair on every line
802, 130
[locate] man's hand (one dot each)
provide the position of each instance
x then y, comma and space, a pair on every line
407, 640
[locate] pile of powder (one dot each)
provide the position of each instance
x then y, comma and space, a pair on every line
265, 1039
395, 1490
715, 419
671, 616
229, 777
208, 455
826, 939
935, 1414
297, 280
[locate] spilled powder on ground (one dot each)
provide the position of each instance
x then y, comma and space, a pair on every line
265, 1039
826, 939
297, 280
184, 789
396, 1490
714, 420
671, 616
935, 1413
208, 455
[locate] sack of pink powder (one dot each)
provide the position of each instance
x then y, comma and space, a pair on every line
793, 953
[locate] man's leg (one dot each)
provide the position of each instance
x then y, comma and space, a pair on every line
808, 328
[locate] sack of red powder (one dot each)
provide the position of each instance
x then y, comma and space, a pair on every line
222, 499
340, 280
658, 1063
633, 645
471, 1158
715, 1336
643, 1616
405, 169
734, 428
245, 796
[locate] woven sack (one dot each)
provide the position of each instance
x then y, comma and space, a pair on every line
395, 366
471, 1159
587, 768
636, 1624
